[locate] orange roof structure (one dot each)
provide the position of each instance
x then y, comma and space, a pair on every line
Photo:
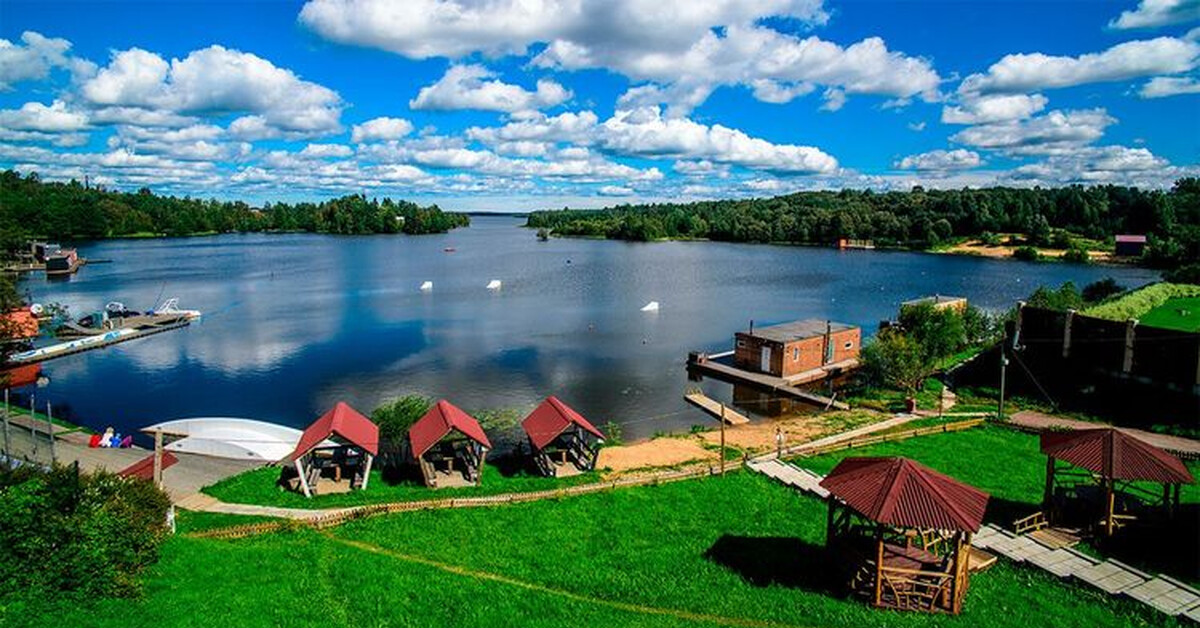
344, 422
21, 324
1116, 454
144, 468
442, 419
551, 418
904, 493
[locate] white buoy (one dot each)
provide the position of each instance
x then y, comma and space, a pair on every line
650, 307
494, 284
427, 286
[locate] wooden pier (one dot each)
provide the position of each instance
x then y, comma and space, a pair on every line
706, 365
715, 408
141, 333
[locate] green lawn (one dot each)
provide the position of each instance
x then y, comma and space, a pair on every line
1181, 314
257, 486
733, 550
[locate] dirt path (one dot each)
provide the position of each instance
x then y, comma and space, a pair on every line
660, 452
1184, 447
532, 586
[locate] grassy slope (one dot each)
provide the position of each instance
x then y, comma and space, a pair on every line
738, 546
257, 486
1137, 303
1168, 315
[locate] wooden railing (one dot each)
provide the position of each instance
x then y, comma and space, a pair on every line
913, 589
884, 438
1033, 522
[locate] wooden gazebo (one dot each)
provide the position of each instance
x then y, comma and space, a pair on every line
905, 530
1099, 485
342, 442
559, 435
446, 438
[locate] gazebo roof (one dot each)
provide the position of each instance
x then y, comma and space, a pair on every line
551, 418
907, 494
1116, 454
344, 422
144, 468
443, 418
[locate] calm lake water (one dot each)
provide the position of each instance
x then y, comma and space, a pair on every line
294, 323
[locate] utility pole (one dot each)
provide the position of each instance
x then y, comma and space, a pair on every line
1003, 373
158, 454
7, 452
722, 439
50, 431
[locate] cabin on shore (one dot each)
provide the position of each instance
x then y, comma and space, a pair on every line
563, 442
334, 454
449, 445
797, 347
939, 302
1128, 245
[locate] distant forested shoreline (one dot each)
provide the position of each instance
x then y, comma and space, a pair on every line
918, 219
32, 208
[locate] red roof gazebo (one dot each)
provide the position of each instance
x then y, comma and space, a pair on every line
909, 529
342, 423
446, 434
554, 427
1113, 459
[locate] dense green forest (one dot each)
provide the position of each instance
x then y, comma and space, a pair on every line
30, 207
918, 218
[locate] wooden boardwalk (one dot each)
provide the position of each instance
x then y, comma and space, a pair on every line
769, 382
713, 407
1113, 577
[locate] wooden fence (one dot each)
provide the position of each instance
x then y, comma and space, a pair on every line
875, 439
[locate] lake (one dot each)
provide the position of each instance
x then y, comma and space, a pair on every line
294, 323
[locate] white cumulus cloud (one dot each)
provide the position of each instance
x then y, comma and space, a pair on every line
34, 57
1155, 13
1055, 132
988, 109
469, 87
941, 160
1163, 86
381, 129
35, 116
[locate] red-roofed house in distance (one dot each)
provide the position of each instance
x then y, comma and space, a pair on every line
334, 454
904, 531
449, 445
563, 442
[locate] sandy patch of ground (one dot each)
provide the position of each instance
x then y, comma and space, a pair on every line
660, 452
760, 437
975, 247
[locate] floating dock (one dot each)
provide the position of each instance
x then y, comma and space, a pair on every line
90, 342
714, 407
707, 365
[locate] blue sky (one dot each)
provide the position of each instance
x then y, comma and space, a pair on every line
526, 105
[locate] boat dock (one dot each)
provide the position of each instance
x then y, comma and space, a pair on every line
708, 365
91, 342
715, 408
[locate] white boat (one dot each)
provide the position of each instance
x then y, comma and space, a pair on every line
226, 437
171, 306
650, 307
494, 284
427, 286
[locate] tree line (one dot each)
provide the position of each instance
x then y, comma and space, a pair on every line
32, 208
918, 218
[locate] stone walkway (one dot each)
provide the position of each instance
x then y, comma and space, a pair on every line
1038, 421
1110, 576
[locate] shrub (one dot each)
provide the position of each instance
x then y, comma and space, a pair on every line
1100, 290
87, 534
1076, 256
1138, 302
1189, 274
1027, 253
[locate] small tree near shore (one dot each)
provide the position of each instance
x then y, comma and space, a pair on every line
896, 360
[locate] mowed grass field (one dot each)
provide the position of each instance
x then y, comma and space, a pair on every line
737, 550
1182, 314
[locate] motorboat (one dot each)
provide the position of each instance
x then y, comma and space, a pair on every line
228, 437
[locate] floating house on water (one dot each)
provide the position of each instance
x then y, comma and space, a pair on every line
939, 302
797, 347
563, 442
1129, 245
340, 465
63, 262
449, 445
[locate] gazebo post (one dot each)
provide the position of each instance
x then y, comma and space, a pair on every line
367, 471
303, 480
878, 564
1048, 493
1109, 504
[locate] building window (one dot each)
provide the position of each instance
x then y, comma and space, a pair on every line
849, 344
741, 344
795, 354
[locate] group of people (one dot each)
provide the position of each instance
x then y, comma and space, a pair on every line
110, 439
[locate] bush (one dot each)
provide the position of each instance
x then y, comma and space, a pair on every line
1137, 303
1100, 290
988, 238
1189, 274
1027, 253
897, 361
1076, 256
86, 534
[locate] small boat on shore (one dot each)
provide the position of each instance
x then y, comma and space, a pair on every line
228, 437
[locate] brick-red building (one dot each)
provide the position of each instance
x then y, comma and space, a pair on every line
793, 348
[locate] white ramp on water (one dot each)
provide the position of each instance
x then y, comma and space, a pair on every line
427, 286
494, 284
650, 307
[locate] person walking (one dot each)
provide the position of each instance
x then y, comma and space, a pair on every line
779, 438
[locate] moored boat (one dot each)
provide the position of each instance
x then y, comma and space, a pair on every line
228, 437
